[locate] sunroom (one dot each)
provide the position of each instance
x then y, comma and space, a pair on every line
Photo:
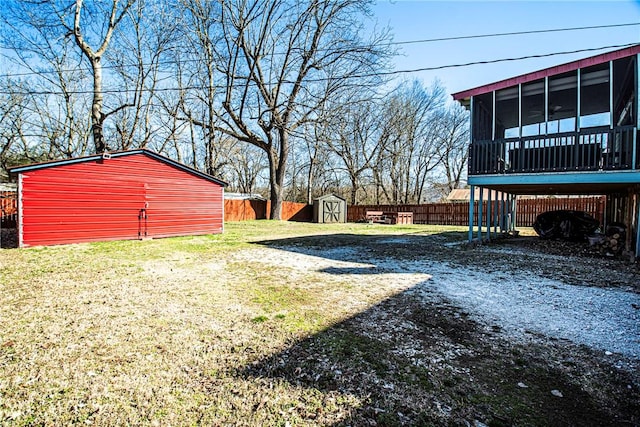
570, 129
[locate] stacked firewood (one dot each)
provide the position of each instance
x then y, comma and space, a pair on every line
612, 242
612, 245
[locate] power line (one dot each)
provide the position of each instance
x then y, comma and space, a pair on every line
319, 80
514, 33
494, 61
407, 42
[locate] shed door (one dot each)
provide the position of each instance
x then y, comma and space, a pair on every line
331, 210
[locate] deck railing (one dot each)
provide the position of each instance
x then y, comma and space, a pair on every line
588, 150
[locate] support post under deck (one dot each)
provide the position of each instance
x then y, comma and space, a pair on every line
503, 224
514, 204
638, 226
471, 209
480, 205
489, 215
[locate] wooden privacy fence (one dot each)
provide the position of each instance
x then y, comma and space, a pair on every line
8, 209
432, 213
457, 213
452, 213
529, 209
243, 210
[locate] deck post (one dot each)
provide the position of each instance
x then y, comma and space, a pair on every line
496, 215
471, 202
499, 213
634, 154
480, 213
489, 214
510, 206
514, 204
638, 226
504, 213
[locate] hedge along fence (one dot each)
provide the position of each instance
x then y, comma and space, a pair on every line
243, 210
457, 213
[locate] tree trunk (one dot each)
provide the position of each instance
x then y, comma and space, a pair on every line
275, 179
354, 189
97, 117
310, 179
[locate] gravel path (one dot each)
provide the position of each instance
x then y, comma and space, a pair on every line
601, 318
605, 319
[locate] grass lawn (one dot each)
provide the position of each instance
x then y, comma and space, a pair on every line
230, 330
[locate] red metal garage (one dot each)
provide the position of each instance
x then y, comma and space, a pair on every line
133, 194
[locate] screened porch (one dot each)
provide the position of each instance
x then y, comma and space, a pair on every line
584, 119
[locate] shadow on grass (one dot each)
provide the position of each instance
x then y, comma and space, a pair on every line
8, 238
418, 359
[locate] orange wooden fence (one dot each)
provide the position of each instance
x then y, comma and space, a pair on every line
8, 209
242, 210
528, 209
457, 213
432, 213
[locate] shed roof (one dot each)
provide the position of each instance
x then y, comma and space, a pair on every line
548, 72
244, 196
117, 154
330, 195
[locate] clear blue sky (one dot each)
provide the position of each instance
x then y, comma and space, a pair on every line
416, 20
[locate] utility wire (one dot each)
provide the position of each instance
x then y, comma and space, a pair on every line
319, 80
407, 42
515, 33
494, 61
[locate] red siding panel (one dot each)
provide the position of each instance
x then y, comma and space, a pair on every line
127, 197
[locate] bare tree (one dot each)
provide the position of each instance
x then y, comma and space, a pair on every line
12, 107
246, 164
43, 32
409, 147
453, 132
320, 164
355, 140
50, 81
94, 55
280, 60
141, 60
200, 104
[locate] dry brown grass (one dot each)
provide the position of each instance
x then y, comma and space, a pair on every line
219, 330
156, 332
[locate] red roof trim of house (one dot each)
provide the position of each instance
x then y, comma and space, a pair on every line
116, 154
548, 72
